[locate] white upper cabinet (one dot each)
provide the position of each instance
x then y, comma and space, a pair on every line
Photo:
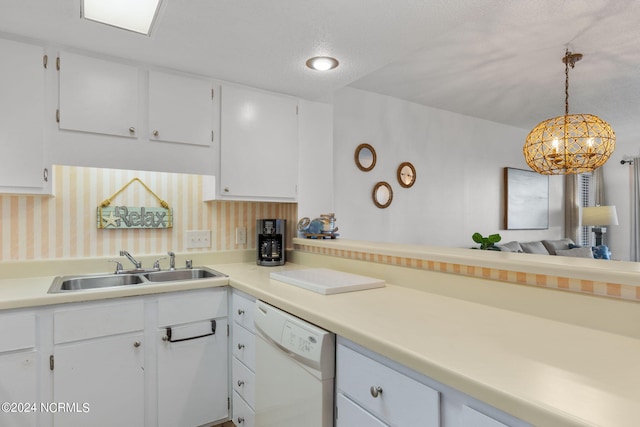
22, 88
98, 96
259, 145
180, 109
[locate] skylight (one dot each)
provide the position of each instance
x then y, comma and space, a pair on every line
133, 15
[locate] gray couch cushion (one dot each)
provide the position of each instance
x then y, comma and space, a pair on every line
576, 252
555, 245
511, 247
534, 248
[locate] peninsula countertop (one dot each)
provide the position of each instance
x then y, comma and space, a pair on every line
545, 372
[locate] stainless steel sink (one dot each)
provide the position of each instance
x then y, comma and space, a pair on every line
78, 283
182, 274
99, 281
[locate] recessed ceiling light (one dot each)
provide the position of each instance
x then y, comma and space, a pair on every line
137, 16
322, 63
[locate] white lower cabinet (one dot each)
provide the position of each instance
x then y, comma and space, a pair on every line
18, 369
373, 391
244, 360
157, 360
392, 398
192, 358
98, 364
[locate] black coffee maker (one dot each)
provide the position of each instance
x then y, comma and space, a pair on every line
271, 241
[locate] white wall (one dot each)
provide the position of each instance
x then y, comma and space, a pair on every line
315, 150
459, 164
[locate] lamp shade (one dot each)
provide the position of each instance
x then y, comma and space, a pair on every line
599, 215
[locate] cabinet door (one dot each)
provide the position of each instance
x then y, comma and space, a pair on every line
180, 109
101, 382
259, 145
193, 375
22, 77
98, 96
19, 385
18, 370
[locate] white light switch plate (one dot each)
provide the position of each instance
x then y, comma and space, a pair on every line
197, 239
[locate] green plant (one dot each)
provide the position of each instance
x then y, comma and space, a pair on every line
487, 243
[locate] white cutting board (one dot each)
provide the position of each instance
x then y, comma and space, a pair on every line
326, 281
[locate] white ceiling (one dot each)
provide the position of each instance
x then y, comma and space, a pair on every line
494, 59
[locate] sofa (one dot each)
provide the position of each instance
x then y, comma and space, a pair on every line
561, 247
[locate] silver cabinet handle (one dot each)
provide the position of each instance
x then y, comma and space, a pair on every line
137, 344
240, 383
156, 133
226, 189
132, 130
240, 346
375, 390
240, 420
240, 312
45, 175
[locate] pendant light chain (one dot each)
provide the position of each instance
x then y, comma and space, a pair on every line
566, 82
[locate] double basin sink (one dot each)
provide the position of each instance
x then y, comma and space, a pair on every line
98, 281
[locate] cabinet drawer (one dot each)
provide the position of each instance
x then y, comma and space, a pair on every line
18, 331
244, 346
473, 418
348, 414
243, 311
400, 400
243, 415
97, 320
192, 306
244, 382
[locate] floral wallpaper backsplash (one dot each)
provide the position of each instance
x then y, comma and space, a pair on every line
65, 226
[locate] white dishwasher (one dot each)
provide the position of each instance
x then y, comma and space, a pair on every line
295, 370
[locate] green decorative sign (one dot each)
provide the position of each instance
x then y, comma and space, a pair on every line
118, 217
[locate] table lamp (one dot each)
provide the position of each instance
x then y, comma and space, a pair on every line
599, 217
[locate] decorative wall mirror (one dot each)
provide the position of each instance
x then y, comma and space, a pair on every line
365, 157
382, 194
406, 174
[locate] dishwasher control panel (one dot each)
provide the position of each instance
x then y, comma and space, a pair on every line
298, 340
307, 343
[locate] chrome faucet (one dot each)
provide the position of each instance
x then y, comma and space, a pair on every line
132, 259
172, 260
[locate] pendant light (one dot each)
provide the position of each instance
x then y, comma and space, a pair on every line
569, 144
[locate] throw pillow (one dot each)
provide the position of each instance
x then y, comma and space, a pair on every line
511, 247
576, 252
553, 245
601, 252
534, 248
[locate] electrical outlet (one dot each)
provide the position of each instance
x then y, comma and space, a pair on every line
241, 235
197, 239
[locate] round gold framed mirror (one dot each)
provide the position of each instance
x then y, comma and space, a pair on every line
365, 157
382, 194
406, 174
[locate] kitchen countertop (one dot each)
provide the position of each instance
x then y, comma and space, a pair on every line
546, 372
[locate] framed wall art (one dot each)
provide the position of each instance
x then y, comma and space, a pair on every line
526, 200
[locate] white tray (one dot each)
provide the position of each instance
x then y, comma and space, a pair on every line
326, 281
